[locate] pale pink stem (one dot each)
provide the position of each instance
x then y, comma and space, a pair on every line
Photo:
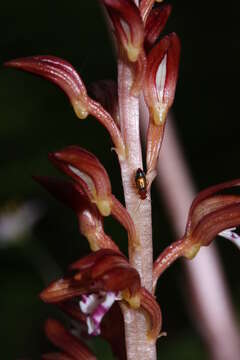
137, 344
212, 307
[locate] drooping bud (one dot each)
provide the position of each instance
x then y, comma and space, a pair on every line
89, 218
72, 347
61, 73
128, 27
155, 24
210, 214
85, 169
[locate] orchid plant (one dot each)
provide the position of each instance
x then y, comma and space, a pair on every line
109, 294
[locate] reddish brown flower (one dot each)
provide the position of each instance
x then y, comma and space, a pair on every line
159, 90
128, 27
210, 214
65, 76
89, 219
161, 77
84, 168
98, 280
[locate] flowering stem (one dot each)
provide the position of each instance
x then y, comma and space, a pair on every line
137, 344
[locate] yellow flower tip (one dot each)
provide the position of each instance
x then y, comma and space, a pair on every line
80, 109
133, 52
120, 151
191, 252
134, 301
104, 206
159, 114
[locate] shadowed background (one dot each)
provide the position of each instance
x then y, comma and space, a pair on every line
36, 118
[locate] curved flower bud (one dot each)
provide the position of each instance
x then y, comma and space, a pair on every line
73, 348
155, 24
151, 308
63, 74
128, 26
159, 90
99, 279
210, 214
86, 170
89, 218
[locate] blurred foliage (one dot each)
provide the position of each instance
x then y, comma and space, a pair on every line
36, 118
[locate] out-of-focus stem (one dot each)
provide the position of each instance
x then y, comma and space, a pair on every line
212, 306
137, 344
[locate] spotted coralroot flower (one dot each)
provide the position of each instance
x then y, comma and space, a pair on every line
63, 74
159, 90
89, 195
212, 213
72, 348
96, 282
92, 286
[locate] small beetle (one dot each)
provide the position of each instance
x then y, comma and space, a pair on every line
141, 183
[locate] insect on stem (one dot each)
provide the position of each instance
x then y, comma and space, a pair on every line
141, 183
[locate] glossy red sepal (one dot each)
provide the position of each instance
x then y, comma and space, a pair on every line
61, 73
155, 24
102, 271
83, 167
128, 27
89, 218
72, 347
209, 215
159, 90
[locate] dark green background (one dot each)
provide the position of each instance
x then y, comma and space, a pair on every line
36, 118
